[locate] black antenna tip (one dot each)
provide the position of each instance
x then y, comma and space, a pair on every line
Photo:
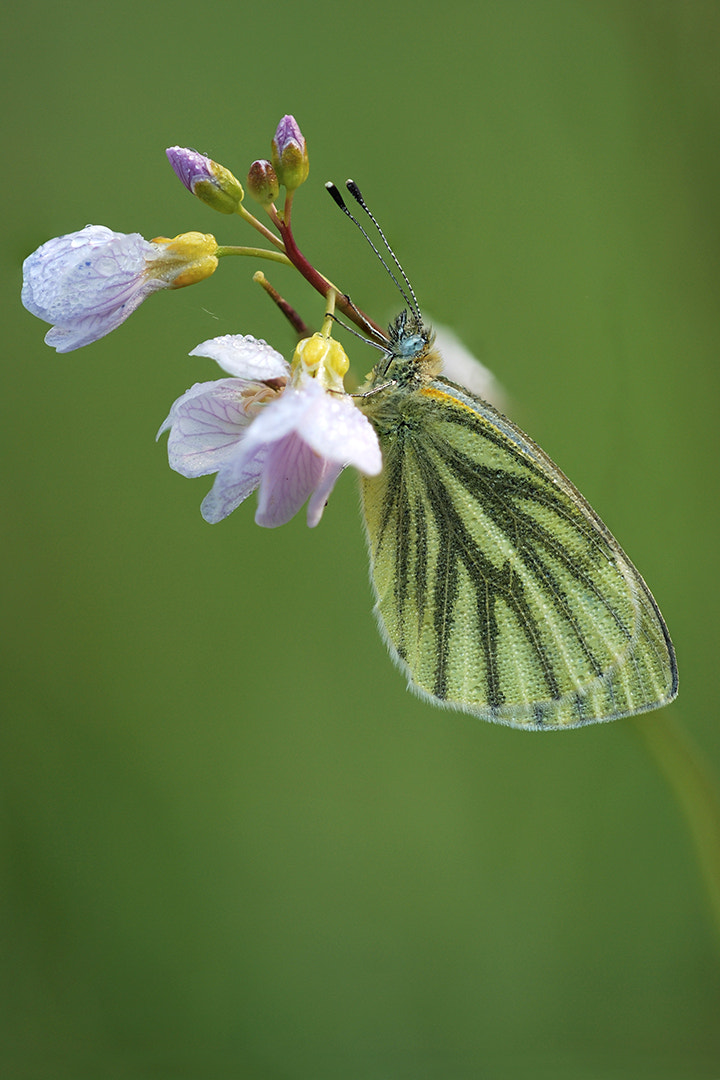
354, 191
332, 190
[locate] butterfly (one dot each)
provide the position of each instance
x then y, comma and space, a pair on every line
499, 591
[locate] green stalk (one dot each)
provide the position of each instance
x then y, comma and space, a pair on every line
256, 253
696, 792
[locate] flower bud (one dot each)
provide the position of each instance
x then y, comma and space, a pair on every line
210, 182
263, 183
289, 154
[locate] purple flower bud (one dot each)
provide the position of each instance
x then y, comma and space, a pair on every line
289, 154
202, 176
189, 166
288, 132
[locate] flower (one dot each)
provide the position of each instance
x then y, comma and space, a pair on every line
271, 427
88, 282
202, 176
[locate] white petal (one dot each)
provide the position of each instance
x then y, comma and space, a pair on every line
337, 430
330, 424
284, 415
233, 484
83, 331
82, 272
244, 356
206, 424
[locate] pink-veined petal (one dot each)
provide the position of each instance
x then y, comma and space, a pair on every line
235, 481
206, 424
292, 471
294, 449
98, 325
330, 424
284, 415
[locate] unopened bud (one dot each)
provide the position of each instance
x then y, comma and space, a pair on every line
263, 183
210, 182
289, 154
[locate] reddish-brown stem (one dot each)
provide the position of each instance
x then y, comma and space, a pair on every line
299, 326
323, 286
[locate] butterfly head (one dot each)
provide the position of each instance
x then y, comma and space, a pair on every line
408, 336
410, 351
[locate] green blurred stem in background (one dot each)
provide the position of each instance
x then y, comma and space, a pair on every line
696, 791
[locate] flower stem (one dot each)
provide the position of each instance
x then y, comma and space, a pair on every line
267, 233
299, 326
329, 319
323, 285
696, 791
287, 209
258, 253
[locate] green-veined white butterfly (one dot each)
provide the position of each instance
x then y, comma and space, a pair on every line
499, 590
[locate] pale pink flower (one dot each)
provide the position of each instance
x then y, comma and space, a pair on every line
289, 439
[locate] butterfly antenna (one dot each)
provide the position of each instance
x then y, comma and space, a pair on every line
355, 192
358, 197
357, 334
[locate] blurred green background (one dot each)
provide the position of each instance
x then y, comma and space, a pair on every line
233, 844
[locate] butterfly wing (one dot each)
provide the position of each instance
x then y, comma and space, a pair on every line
499, 590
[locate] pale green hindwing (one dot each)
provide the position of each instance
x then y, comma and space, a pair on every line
499, 590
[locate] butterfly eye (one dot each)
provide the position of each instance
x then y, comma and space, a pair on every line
412, 345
